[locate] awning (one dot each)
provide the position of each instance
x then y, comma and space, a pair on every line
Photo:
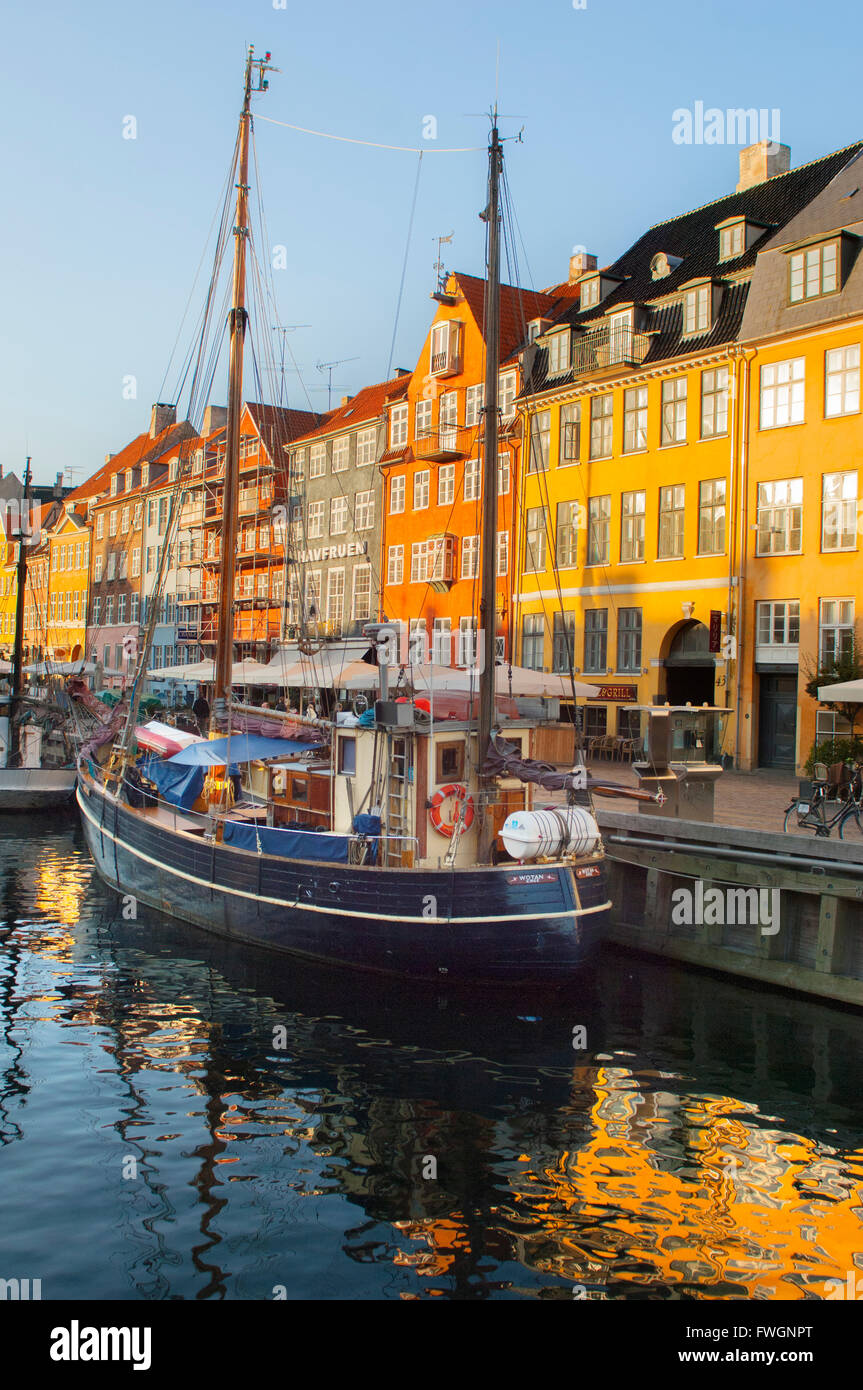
845, 693
240, 748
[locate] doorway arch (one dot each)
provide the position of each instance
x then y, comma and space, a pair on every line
690, 666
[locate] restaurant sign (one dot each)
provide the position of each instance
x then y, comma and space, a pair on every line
617, 692
333, 552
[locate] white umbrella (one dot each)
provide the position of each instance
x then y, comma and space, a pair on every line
196, 671
845, 693
518, 679
252, 673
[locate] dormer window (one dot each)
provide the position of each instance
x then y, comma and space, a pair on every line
699, 308
446, 348
732, 241
559, 353
589, 292
114, 485
663, 264
813, 272
535, 329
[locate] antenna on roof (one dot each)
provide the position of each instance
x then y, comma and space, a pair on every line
329, 367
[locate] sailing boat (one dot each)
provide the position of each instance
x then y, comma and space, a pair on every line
331, 853
37, 764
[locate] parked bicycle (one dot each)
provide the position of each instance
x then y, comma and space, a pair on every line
834, 798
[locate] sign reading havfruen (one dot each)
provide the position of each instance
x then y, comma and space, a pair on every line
333, 552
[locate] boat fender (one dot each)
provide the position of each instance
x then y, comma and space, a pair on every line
459, 792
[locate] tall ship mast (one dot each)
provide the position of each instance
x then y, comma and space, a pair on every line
329, 839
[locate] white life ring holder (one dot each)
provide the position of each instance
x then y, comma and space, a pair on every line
459, 791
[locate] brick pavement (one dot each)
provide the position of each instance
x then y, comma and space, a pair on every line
755, 800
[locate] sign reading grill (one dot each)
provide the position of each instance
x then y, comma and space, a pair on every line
617, 692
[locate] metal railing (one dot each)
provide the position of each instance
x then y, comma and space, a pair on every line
609, 346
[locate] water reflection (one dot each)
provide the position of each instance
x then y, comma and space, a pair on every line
182, 1119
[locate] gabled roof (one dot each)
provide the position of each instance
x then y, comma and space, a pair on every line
517, 307
141, 450
277, 425
364, 408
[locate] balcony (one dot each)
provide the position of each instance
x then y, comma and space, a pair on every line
441, 445
606, 347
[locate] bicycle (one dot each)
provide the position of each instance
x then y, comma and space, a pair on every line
811, 811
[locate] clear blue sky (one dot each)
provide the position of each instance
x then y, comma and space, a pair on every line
101, 236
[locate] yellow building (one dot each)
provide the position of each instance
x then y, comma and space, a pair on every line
660, 424
8, 594
68, 571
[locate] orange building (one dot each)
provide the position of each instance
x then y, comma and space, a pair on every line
430, 559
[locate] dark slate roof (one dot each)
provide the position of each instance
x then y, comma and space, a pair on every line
693, 237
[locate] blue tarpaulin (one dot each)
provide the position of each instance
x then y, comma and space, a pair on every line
181, 786
291, 844
240, 748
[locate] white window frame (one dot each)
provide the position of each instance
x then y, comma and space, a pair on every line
783, 394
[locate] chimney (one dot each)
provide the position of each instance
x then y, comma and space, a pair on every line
403, 371
161, 416
108, 458
346, 400
762, 161
580, 264
215, 418
58, 486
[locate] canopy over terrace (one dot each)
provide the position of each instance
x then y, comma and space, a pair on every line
514, 680
242, 673
845, 693
325, 670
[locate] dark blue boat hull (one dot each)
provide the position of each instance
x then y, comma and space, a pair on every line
502, 924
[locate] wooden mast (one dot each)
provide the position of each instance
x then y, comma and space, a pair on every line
488, 607
18, 654
237, 320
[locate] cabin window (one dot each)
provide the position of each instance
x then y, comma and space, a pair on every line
348, 757
299, 789
449, 762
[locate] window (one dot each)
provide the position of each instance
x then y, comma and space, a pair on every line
569, 448
631, 526
100, 526
444, 346
714, 402
124, 521
163, 514
446, 484
418, 562
598, 530
97, 568
151, 512
671, 503
121, 608
783, 392
711, 517
842, 381
778, 624
472, 480
566, 535
780, 517
421, 489
448, 421
835, 629
813, 272
362, 609
629, 640
473, 405
395, 564
440, 559
563, 642
534, 558
248, 583
674, 411
134, 608
364, 516
112, 524
338, 516
347, 756
441, 652
124, 565
596, 640
422, 419
559, 353
732, 241
601, 426
139, 512
469, 557
313, 594
502, 553
397, 494
502, 475
839, 511
262, 587
635, 419
696, 310
317, 460
533, 641
398, 426
341, 453
335, 596
264, 538
467, 641
366, 447
540, 436
506, 396
109, 610
97, 610
589, 293
112, 567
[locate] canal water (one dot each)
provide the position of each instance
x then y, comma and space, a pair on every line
181, 1119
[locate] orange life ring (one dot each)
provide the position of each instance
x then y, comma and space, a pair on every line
459, 791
